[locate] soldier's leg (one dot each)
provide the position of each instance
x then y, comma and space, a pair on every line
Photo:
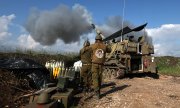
84, 76
89, 78
86, 79
100, 74
99, 81
95, 76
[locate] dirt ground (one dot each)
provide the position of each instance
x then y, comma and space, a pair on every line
11, 89
136, 92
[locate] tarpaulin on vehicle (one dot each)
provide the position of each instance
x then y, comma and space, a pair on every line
19, 63
36, 74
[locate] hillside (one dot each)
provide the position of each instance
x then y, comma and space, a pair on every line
168, 65
68, 58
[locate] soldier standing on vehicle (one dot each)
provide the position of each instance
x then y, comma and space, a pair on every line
99, 50
85, 55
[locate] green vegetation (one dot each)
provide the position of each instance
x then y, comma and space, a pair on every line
68, 58
168, 65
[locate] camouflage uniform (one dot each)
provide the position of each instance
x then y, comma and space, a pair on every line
85, 55
98, 57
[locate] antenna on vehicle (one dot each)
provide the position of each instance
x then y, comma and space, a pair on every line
123, 20
144, 32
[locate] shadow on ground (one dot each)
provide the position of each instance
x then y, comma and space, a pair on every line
114, 89
141, 75
76, 101
104, 85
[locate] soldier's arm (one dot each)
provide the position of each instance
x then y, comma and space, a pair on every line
108, 48
79, 56
91, 50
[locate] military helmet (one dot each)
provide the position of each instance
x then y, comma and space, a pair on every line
98, 37
43, 98
86, 43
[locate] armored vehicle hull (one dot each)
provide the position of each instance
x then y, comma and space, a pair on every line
128, 55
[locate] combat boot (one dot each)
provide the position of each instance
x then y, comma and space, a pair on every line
97, 94
85, 90
90, 90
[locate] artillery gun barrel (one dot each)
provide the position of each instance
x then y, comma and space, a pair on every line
98, 31
124, 31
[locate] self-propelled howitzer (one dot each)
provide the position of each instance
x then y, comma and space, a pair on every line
129, 55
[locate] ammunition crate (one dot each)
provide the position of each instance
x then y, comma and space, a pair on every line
64, 98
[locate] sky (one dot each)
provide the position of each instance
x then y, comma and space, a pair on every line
27, 24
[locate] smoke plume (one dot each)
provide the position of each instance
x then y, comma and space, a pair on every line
113, 24
69, 24
64, 23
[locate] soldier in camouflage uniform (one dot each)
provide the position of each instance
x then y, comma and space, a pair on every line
85, 55
98, 58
